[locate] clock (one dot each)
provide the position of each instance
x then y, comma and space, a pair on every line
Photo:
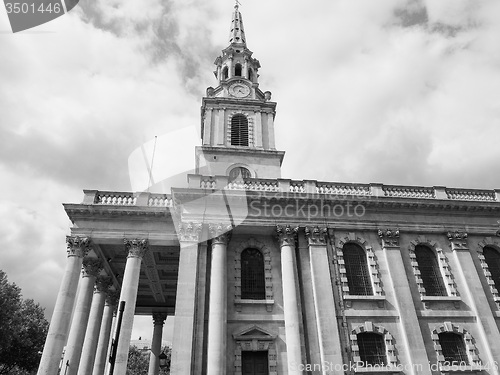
239, 90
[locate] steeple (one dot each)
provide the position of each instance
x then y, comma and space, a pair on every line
237, 118
237, 33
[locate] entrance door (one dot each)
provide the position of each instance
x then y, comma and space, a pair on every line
254, 363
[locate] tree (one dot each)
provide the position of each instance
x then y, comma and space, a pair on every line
138, 361
23, 328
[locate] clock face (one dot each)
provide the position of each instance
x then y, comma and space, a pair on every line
239, 90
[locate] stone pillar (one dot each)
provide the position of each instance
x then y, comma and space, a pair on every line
217, 315
286, 236
330, 349
475, 297
185, 303
257, 141
136, 249
101, 288
61, 317
154, 360
245, 68
90, 270
220, 134
270, 131
101, 356
230, 69
413, 341
112, 334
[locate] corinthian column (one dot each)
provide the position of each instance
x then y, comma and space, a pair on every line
154, 357
90, 270
59, 324
136, 249
105, 333
217, 314
286, 236
101, 288
185, 302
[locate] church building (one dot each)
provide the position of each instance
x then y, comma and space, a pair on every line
271, 276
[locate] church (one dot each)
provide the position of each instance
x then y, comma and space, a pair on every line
266, 275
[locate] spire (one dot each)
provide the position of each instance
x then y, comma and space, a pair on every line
237, 33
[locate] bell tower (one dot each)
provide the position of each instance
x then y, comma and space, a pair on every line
237, 118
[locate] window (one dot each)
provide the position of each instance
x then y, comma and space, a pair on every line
492, 259
453, 348
430, 274
250, 74
358, 277
253, 282
372, 348
237, 70
239, 173
239, 130
224, 73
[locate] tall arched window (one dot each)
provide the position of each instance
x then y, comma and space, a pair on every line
253, 282
372, 348
225, 73
429, 271
239, 130
250, 74
492, 259
453, 348
358, 277
239, 173
237, 70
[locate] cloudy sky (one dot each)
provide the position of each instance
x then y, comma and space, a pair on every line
391, 91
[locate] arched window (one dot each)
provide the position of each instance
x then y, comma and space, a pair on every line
253, 282
453, 348
225, 73
239, 173
250, 74
372, 348
239, 130
492, 259
358, 277
237, 70
430, 274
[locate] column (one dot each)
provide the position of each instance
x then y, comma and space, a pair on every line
475, 297
136, 249
221, 134
101, 288
217, 313
230, 73
413, 341
154, 360
185, 303
258, 130
101, 356
71, 361
330, 349
59, 324
286, 236
270, 131
112, 334
245, 68
207, 125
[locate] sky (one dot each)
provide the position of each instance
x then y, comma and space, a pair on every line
400, 92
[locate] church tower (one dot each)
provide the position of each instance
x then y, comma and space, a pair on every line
237, 118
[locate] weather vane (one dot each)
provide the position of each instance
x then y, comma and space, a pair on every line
237, 4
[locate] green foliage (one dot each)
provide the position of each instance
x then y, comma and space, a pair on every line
138, 361
23, 329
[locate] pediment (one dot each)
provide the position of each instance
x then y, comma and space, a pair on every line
254, 333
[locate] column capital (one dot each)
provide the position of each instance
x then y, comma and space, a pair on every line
316, 235
112, 298
136, 247
389, 237
91, 267
189, 232
286, 235
159, 318
102, 284
458, 240
220, 233
77, 246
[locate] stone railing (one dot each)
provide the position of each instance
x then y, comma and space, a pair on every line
286, 186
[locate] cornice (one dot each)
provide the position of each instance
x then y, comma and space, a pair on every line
82, 211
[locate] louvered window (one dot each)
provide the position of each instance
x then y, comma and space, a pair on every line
239, 130
358, 277
429, 271
372, 348
492, 259
253, 282
453, 348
